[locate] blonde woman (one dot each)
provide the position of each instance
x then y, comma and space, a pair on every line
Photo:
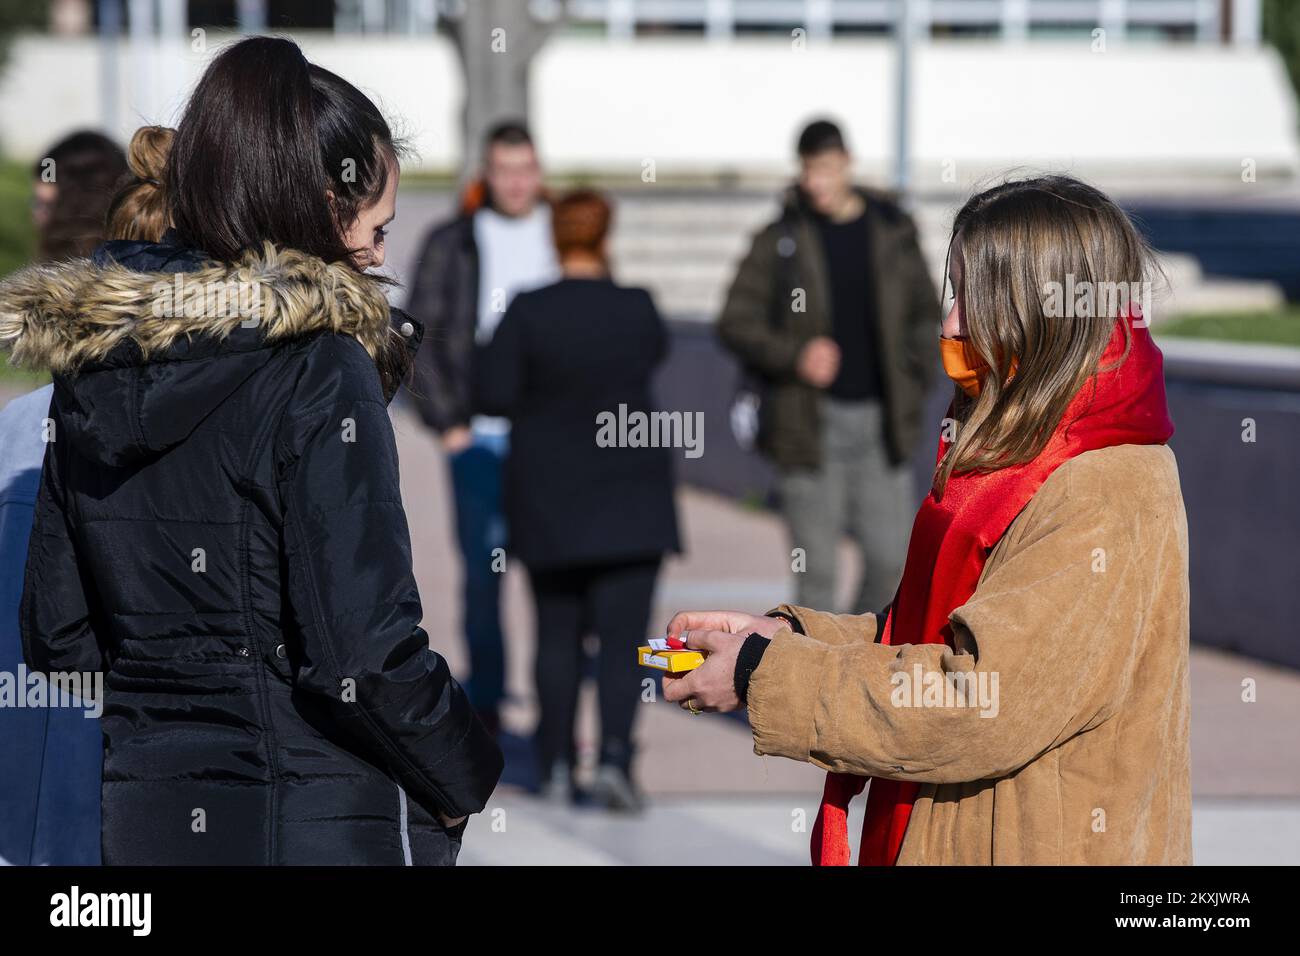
1024, 698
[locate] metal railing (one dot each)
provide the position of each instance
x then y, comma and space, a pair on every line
1203, 20
1206, 21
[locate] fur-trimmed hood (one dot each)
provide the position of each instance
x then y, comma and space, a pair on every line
64, 315
145, 339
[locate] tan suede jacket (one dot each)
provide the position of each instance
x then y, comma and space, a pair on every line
1068, 742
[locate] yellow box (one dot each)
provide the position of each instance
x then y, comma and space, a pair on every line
675, 662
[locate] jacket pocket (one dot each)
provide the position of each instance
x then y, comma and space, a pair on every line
424, 840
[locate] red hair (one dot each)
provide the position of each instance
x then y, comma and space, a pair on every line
580, 222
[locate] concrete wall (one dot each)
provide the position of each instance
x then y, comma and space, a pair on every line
54, 85
692, 105
980, 106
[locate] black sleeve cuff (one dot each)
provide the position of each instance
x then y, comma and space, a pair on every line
747, 661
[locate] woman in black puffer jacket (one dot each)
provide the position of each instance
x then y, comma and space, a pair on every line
219, 527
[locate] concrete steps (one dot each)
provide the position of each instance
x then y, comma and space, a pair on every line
684, 248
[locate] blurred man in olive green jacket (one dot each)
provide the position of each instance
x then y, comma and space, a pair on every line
834, 313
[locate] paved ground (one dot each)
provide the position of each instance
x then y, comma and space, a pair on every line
709, 830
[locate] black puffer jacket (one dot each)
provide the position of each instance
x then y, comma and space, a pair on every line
444, 297
220, 530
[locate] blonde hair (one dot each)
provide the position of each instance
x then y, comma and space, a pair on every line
1020, 243
139, 210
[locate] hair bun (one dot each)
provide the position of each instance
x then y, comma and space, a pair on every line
147, 153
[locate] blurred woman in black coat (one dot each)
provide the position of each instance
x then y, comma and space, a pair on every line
591, 523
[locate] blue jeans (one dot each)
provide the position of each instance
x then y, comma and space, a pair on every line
480, 529
50, 757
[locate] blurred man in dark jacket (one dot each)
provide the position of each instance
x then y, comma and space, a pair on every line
834, 312
468, 272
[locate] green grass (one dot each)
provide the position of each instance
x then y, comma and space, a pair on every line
17, 246
1280, 327
20, 379
17, 237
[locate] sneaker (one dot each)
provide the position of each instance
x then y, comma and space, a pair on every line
558, 788
613, 789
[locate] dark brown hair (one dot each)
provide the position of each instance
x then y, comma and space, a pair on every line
275, 149
266, 140
86, 167
820, 136
507, 133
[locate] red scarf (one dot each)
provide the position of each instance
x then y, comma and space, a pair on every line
951, 540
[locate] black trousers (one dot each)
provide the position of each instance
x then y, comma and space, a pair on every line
613, 602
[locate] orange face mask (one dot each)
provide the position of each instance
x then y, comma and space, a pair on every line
963, 364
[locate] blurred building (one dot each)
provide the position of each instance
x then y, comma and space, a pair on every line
1236, 21
1157, 91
